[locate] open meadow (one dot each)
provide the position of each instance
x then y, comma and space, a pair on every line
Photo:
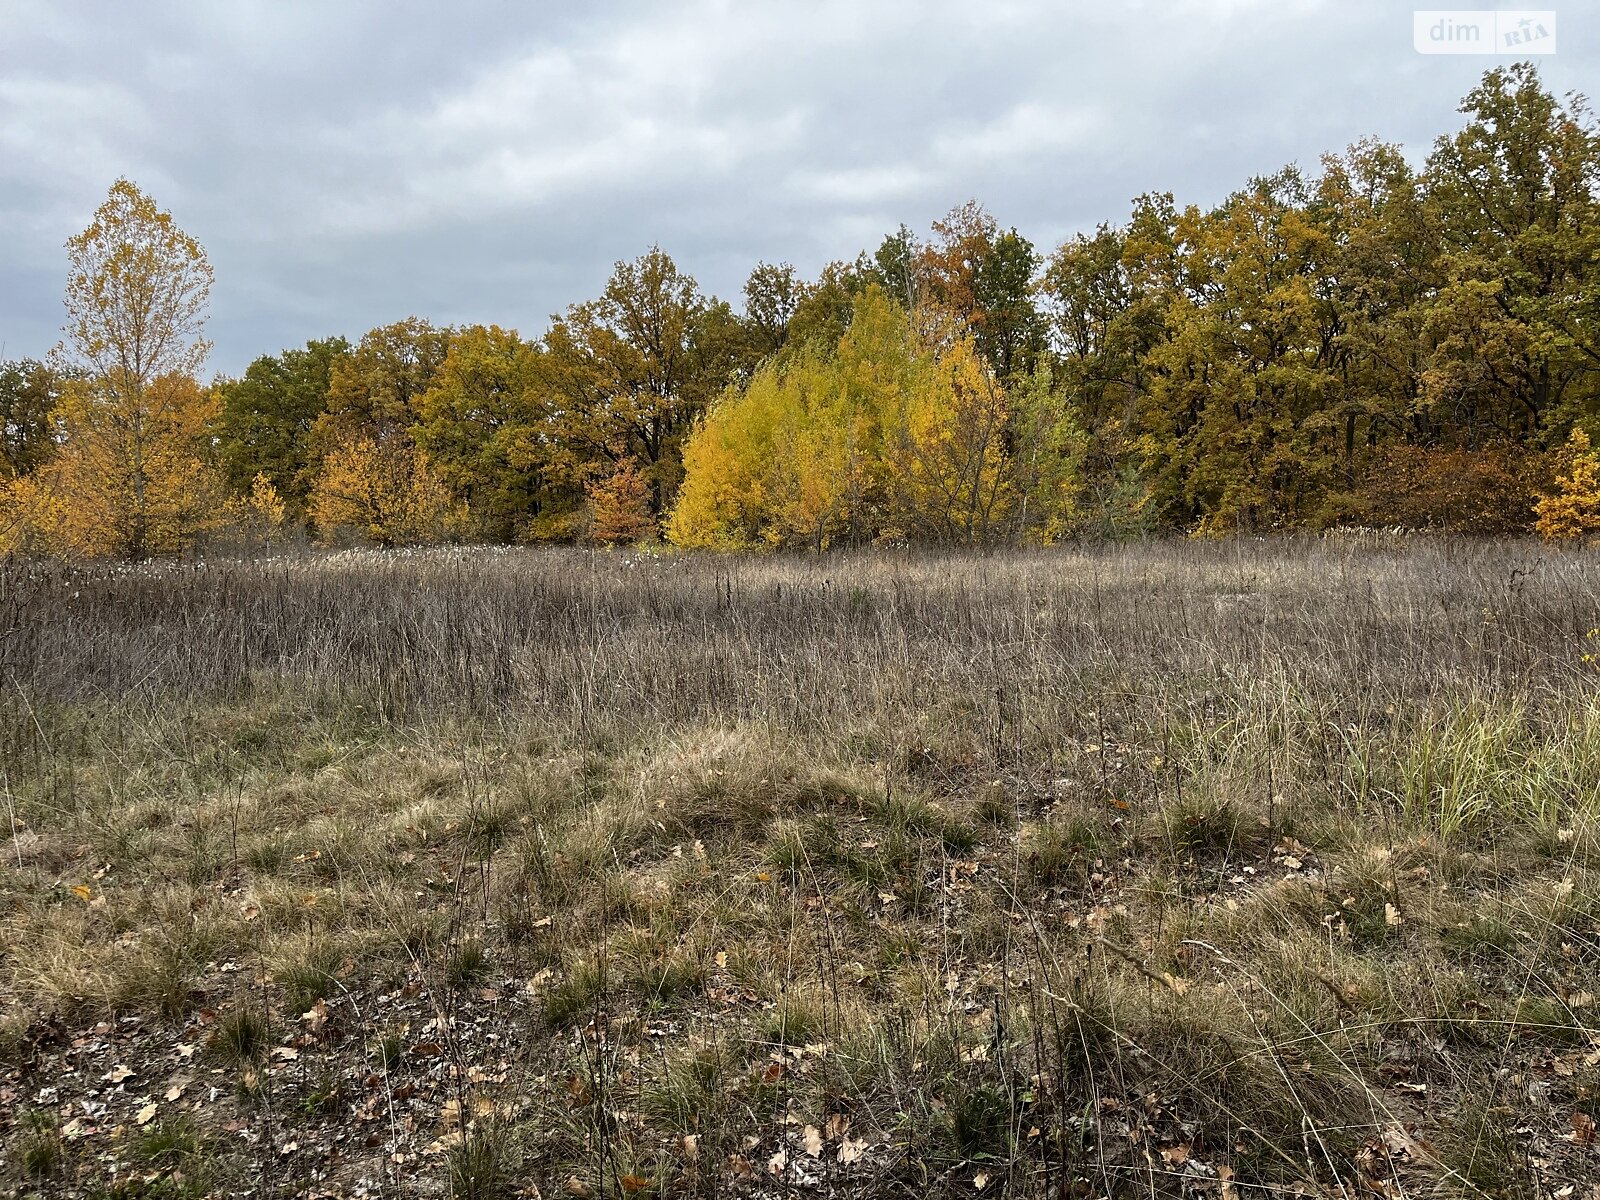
1231, 869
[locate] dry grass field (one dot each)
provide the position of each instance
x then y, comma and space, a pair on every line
1227, 869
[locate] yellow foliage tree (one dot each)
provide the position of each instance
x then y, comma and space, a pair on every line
129, 479
129, 476
260, 516
885, 436
952, 481
388, 495
1573, 510
721, 504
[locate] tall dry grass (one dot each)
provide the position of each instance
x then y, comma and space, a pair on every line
1091, 871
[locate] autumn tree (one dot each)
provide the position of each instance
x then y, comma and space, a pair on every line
796, 457
130, 477
1230, 435
386, 495
369, 477
129, 480
1516, 197
948, 473
1572, 510
373, 389
1378, 273
260, 516
620, 506
629, 372
886, 435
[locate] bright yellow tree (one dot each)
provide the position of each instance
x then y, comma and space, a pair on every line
885, 436
1573, 510
722, 500
260, 516
952, 482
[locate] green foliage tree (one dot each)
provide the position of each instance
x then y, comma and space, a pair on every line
29, 393
772, 293
483, 424
1516, 198
267, 417
629, 372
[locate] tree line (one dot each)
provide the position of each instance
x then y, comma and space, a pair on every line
1370, 343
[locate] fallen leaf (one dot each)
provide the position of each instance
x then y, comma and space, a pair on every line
778, 1161
634, 1183
82, 893
1391, 915
539, 980
813, 1141
980, 1180
1583, 1129
851, 1149
118, 1073
146, 1114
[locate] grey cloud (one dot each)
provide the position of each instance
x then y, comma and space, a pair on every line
346, 164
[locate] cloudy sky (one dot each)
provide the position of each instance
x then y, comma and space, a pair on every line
349, 162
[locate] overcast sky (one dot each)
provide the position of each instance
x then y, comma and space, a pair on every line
349, 163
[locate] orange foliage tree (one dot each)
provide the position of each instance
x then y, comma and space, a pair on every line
620, 506
1485, 491
130, 479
